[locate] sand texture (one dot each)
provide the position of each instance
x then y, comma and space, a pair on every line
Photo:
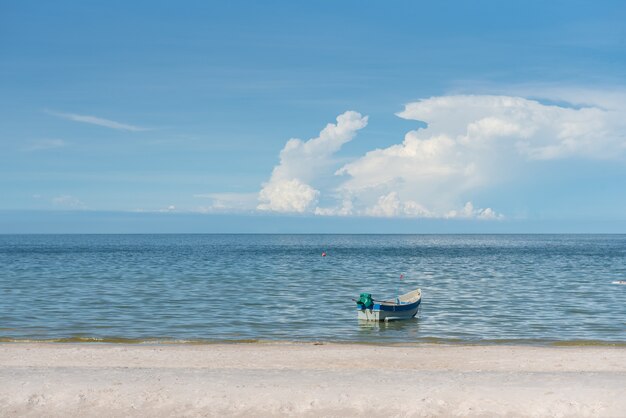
65, 380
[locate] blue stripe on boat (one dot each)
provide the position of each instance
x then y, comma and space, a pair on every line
395, 308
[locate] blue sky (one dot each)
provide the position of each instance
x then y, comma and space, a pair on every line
466, 116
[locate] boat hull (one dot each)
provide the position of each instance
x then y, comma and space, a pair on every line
388, 312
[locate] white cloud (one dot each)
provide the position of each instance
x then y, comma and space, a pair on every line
390, 205
68, 202
45, 144
167, 209
94, 120
287, 196
538, 131
301, 162
471, 143
469, 212
227, 202
345, 209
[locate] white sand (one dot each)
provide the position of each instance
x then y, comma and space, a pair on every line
310, 380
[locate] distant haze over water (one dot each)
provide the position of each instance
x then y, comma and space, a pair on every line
476, 288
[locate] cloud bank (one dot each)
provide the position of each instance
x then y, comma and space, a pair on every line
471, 143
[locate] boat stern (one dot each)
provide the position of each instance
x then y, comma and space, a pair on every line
368, 315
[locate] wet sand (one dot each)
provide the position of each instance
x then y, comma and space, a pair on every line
65, 380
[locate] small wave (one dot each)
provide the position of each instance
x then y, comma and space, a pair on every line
420, 342
122, 340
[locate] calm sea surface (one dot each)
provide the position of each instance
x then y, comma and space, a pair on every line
476, 288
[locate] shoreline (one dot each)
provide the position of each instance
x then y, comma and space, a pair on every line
309, 379
425, 342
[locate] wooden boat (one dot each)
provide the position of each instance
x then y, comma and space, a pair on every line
402, 307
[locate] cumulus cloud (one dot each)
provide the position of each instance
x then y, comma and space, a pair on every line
301, 162
538, 131
469, 212
470, 143
287, 196
390, 205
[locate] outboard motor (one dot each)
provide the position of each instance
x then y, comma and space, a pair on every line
365, 301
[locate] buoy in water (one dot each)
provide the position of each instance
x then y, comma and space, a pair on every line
323, 253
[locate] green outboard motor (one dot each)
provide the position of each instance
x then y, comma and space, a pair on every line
365, 301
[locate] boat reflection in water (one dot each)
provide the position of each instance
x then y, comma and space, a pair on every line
390, 331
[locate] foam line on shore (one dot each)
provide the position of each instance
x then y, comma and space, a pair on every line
422, 341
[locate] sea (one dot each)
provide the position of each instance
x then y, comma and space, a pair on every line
195, 288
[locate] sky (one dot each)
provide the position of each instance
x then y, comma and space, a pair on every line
325, 116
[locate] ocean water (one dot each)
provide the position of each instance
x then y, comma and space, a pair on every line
529, 289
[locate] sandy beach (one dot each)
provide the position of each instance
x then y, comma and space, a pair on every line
45, 379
